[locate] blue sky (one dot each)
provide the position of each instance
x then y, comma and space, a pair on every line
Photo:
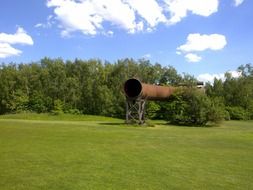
204, 38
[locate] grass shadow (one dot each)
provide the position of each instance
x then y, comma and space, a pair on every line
208, 125
112, 123
123, 124
154, 123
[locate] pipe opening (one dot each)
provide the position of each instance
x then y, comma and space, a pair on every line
132, 88
200, 83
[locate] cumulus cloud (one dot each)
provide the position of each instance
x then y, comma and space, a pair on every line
92, 17
48, 24
235, 74
88, 16
109, 33
191, 57
146, 56
149, 10
179, 9
7, 40
6, 50
39, 25
20, 37
198, 42
238, 2
207, 77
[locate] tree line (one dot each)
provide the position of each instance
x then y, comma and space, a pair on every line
96, 87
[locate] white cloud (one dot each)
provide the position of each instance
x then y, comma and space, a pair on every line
20, 37
198, 42
238, 2
116, 12
191, 57
88, 16
146, 56
150, 10
75, 16
92, 17
139, 26
235, 74
6, 50
207, 77
6, 40
109, 33
39, 25
48, 24
179, 9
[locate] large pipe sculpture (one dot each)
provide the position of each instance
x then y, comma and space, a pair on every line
134, 90
138, 93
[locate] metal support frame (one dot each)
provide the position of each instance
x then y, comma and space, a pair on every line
135, 111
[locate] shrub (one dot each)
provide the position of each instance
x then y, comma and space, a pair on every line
217, 110
192, 107
73, 111
58, 107
237, 113
152, 109
37, 104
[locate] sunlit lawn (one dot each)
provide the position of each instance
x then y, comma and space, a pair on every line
89, 152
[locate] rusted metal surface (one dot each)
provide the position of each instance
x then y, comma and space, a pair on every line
134, 89
137, 93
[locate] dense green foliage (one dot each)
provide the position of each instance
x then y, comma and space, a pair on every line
193, 107
95, 87
88, 87
95, 153
235, 93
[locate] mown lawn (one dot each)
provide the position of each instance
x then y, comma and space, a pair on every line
89, 152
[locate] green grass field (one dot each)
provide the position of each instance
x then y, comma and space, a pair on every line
89, 152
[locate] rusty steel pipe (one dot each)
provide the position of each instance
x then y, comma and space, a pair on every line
134, 89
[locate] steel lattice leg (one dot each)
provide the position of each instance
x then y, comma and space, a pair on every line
135, 111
